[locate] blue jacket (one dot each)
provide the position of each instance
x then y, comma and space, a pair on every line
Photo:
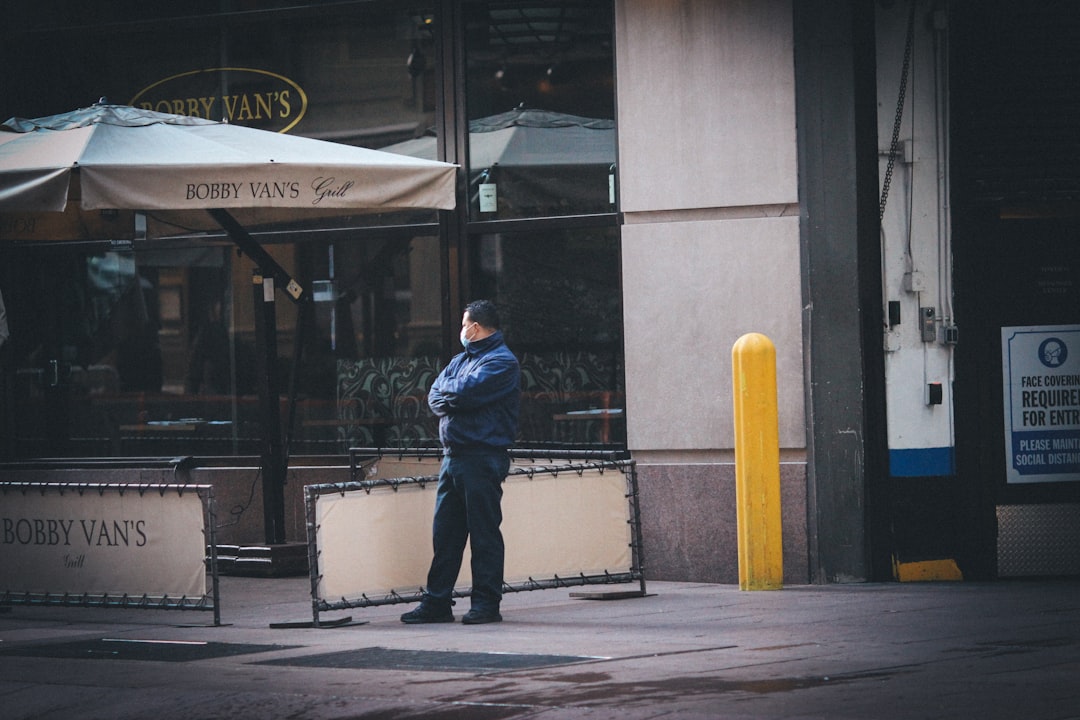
477, 398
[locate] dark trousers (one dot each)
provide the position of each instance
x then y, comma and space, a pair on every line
468, 506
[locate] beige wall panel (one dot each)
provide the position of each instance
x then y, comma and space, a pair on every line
706, 104
691, 290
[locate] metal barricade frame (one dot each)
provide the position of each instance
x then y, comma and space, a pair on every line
209, 602
554, 462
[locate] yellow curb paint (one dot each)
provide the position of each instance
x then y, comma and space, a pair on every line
927, 571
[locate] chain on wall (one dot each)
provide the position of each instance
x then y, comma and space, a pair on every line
895, 143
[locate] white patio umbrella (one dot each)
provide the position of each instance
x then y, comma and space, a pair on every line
195, 174
128, 158
198, 174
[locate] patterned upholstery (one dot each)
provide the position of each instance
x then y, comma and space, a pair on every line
383, 401
557, 383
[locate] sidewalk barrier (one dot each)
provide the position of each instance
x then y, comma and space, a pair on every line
568, 521
108, 545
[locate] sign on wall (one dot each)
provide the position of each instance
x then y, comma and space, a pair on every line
1041, 372
244, 96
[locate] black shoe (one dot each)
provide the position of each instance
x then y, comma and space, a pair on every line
425, 613
481, 617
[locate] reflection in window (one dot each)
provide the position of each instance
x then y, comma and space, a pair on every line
153, 352
540, 96
377, 329
561, 306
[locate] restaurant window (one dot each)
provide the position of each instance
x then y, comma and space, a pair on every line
152, 352
561, 309
147, 347
540, 102
362, 73
541, 109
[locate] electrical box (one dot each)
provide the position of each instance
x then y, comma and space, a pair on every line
934, 394
914, 282
928, 324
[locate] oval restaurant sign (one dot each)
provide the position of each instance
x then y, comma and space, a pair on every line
243, 96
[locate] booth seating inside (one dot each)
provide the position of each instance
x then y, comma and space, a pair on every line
569, 400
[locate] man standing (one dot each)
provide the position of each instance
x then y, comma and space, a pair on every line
476, 397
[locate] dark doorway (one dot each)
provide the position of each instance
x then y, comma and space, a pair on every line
1015, 76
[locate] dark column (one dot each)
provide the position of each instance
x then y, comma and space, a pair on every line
836, 116
273, 455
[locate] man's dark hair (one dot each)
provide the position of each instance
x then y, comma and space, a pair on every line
483, 312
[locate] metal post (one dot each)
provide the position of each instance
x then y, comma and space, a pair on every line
273, 458
274, 462
757, 464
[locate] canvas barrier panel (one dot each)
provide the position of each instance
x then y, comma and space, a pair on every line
106, 545
565, 523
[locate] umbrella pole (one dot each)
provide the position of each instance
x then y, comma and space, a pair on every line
274, 463
249, 245
274, 460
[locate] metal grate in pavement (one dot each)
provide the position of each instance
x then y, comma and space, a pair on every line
129, 649
377, 658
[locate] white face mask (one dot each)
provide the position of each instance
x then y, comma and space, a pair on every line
464, 336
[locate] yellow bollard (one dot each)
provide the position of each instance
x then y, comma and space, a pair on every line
757, 464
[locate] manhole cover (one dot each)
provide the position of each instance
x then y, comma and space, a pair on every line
125, 649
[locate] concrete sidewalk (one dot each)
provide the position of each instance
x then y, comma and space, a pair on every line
1009, 649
